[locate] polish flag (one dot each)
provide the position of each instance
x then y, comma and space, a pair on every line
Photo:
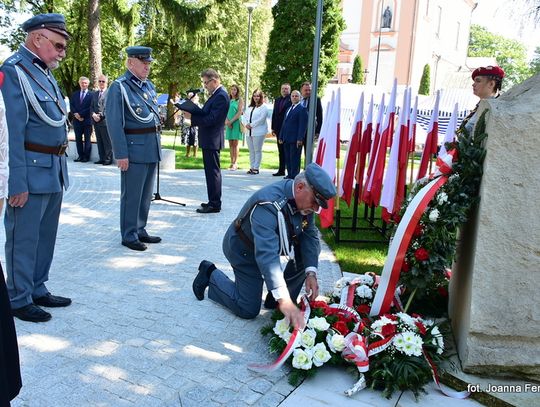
397, 164
430, 147
365, 145
321, 144
330, 156
412, 126
366, 196
449, 136
348, 172
380, 154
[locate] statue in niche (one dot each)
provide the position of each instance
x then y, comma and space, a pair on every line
387, 18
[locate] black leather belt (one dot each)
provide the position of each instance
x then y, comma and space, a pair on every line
39, 148
146, 130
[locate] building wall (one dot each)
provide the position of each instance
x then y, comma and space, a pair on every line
434, 32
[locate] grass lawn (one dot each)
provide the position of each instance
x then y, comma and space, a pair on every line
352, 257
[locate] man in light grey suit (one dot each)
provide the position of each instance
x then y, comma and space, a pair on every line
97, 109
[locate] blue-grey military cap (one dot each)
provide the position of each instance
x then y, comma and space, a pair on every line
142, 53
51, 21
321, 184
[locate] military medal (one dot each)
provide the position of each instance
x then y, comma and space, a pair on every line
138, 110
145, 95
304, 223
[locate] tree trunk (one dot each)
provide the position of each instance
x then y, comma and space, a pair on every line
94, 41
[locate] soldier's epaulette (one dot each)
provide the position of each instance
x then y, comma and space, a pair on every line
280, 203
12, 60
121, 79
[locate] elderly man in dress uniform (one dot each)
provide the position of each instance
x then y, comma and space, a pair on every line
36, 117
276, 221
133, 122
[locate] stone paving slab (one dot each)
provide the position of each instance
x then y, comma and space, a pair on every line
135, 335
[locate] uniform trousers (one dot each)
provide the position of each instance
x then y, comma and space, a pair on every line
243, 295
30, 240
84, 147
212, 173
104, 144
137, 184
293, 156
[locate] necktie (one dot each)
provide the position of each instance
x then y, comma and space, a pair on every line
82, 96
306, 102
100, 94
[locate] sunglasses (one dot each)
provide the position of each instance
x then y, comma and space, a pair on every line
102, 81
57, 46
208, 81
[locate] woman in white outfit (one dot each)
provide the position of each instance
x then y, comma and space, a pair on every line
254, 120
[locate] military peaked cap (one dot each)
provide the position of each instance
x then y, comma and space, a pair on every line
490, 70
51, 21
323, 187
142, 53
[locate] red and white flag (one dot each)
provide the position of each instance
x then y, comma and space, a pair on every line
412, 126
365, 145
330, 155
450, 133
397, 164
349, 166
374, 192
366, 196
321, 144
430, 147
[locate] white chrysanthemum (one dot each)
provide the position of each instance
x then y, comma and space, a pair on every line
308, 338
364, 279
281, 328
318, 323
302, 359
377, 325
442, 198
453, 177
320, 354
408, 343
437, 340
336, 342
406, 319
339, 284
364, 291
434, 215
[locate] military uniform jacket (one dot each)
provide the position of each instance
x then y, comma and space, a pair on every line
35, 113
131, 104
260, 226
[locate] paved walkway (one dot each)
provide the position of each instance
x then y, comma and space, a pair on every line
135, 335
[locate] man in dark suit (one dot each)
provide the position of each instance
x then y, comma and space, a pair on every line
211, 123
305, 90
281, 105
79, 104
293, 133
97, 108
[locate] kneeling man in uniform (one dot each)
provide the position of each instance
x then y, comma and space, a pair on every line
276, 221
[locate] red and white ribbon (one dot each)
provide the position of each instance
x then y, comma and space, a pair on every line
292, 344
444, 390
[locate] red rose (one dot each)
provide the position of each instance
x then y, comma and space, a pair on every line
388, 329
406, 267
341, 327
443, 292
418, 231
421, 254
421, 327
363, 309
318, 304
447, 273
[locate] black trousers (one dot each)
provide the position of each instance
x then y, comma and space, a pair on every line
281, 154
84, 146
10, 372
212, 172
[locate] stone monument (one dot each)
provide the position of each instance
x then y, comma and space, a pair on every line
494, 304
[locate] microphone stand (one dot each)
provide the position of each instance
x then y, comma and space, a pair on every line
157, 195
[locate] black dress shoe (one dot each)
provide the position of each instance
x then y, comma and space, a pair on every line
208, 209
32, 313
107, 162
278, 174
205, 204
202, 279
135, 245
53, 301
99, 162
150, 239
84, 160
77, 160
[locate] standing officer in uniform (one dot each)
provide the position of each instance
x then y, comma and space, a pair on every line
277, 220
36, 117
133, 122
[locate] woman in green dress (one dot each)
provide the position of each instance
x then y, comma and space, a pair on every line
233, 133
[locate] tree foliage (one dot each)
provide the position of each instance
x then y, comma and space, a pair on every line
510, 55
357, 71
290, 50
425, 81
534, 65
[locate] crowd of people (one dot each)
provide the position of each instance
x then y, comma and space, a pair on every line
275, 222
